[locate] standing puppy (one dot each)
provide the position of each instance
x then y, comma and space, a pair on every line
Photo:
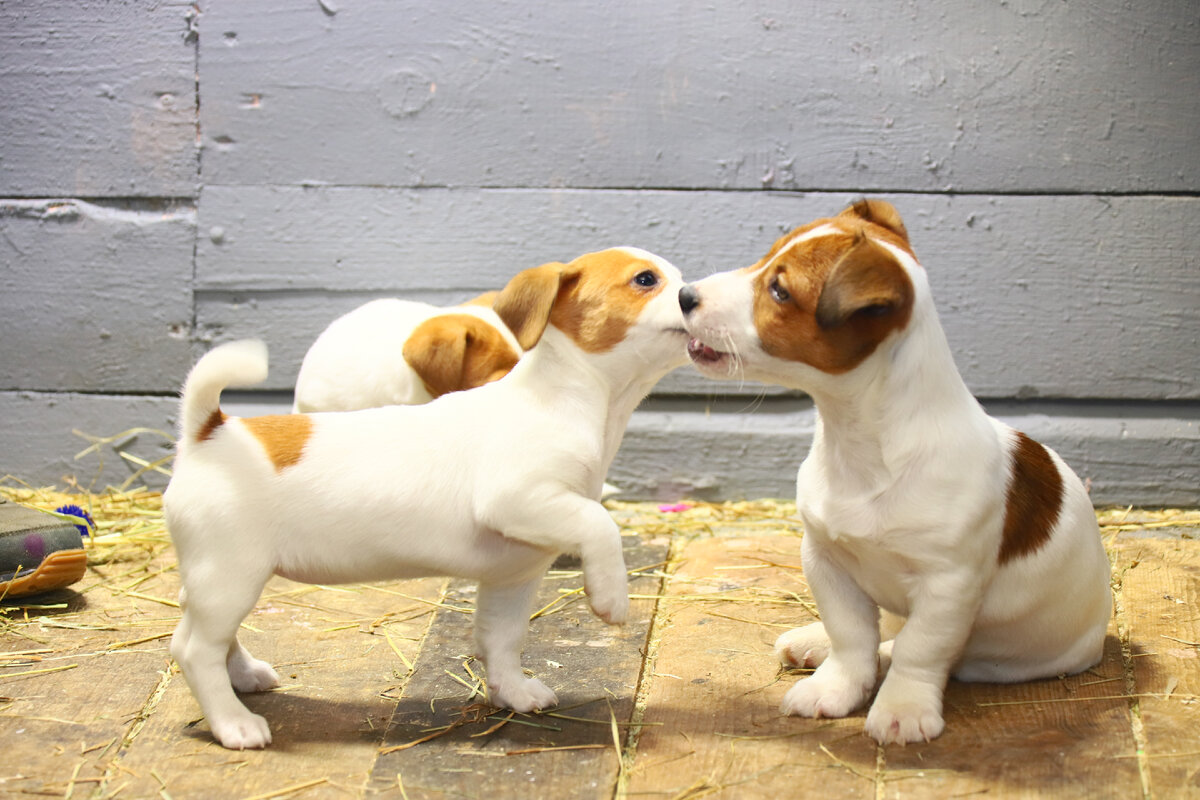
913, 499
401, 352
490, 484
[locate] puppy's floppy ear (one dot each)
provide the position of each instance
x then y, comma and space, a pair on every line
436, 350
486, 299
878, 212
524, 304
868, 281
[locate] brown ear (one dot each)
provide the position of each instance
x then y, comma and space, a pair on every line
488, 357
436, 350
524, 304
868, 281
486, 299
878, 212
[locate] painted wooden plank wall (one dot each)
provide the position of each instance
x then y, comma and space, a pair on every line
95, 296
1042, 295
97, 99
1021, 96
173, 174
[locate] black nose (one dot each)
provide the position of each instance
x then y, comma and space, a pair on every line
689, 298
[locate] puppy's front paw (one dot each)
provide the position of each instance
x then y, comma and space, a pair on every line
906, 711
830, 692
245, 731
806, 647
522, 695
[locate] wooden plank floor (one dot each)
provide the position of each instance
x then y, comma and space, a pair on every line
380, 698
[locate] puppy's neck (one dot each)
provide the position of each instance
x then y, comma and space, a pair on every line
596, 391
895, 410
583, 383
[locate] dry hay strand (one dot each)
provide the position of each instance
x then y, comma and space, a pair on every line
1128, 518
126, 548
699, 517
129, 523
128, 531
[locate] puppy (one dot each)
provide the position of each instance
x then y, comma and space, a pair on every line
913, 499
401, 352
490, 484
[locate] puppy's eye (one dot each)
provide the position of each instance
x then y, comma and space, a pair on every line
778, 293
646, 279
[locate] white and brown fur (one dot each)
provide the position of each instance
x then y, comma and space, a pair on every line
981, 541
403, 352
490, 484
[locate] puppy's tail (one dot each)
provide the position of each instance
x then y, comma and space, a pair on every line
241, 363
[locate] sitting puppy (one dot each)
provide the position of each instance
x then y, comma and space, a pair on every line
490, 484
913, 499
401, 352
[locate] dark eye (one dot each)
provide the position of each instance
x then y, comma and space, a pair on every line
646, 279
778, 293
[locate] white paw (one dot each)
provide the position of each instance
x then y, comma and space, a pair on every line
806, 647
252, 675
243, 731
610, 601
830, 693
906, 711
522, 695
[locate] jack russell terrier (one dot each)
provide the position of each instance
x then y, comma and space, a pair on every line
490, 484
402, 352
913, 500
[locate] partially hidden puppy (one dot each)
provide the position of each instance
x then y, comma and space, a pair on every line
403, 352
489, 484
913, 500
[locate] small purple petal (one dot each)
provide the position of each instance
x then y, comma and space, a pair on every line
76, 511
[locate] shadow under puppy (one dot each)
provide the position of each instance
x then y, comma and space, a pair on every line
490, 484
403, 352
913, 499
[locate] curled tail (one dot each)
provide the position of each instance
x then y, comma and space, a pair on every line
241, 363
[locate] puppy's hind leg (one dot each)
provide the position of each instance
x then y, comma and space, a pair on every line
206, 649
808, 647
501, 622
247, 673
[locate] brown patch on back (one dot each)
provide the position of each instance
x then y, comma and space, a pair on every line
1033, 501
283, 436
215, 420
599, 301
846, 294
454, 352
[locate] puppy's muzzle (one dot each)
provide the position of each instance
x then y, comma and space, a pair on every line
698, 351
689, 298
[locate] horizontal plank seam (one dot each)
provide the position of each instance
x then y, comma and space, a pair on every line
851, 190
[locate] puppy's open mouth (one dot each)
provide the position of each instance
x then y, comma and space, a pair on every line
702, 354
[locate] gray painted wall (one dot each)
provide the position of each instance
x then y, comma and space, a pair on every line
174, 174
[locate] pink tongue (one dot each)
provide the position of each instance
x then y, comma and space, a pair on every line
699, 351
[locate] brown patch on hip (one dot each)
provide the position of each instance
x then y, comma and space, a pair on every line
283, 436
1033, 501
215, 420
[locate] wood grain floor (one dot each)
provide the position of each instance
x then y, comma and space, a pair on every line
380, 698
